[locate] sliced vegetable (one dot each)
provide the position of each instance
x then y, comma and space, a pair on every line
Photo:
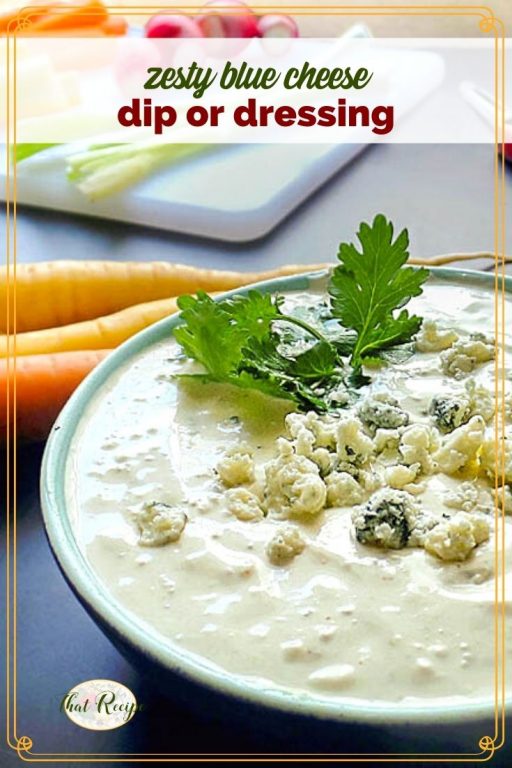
277, 25
43, 383
24, 151
215, 20
177, 25
56, 293
107, 170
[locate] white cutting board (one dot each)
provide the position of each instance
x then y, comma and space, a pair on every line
234, 193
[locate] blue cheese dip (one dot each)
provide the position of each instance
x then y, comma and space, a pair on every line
346, 556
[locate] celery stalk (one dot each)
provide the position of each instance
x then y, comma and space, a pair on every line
24, 151
104, 170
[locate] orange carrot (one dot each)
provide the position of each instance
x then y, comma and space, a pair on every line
111, 27
43, 384
101, 333
85, 13
55, 293
114, 25
30, 14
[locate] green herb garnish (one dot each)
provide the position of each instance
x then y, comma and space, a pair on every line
235, 342
369, 285
249, 342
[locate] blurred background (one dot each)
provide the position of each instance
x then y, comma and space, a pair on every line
311, 26
443, 194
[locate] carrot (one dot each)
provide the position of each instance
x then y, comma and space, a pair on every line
112, 27
20, 14
86, 13
100, 333
43, 384
55, 293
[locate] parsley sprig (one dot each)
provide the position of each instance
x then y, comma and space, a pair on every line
235, 341
248, 341
369, 285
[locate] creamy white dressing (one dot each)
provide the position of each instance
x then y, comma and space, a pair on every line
343, 619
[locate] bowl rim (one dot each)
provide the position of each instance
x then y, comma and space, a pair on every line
124, 625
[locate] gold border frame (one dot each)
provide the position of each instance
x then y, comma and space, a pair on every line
487, 23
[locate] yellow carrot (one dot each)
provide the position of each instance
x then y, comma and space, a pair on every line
54, 293
101, 333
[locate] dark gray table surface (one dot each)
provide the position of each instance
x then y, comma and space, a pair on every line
443, 195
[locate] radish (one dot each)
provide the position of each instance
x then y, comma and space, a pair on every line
277, 26
507, 151
172, 26
215, 22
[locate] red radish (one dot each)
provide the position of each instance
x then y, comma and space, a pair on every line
216, 21
277, 26
507, 151
172, 26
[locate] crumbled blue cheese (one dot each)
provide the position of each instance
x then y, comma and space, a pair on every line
455, 538
293, 486
386, 441
503, 498
322, 428
400, 475
304, 445
352, 444
464, 356
461, 446
465, 497
450, 411
481, 400
380, 410
431, 338
314, 437
286, 544
237, 466
244, 504
496, 458
369, 480
417, 443
386, 520
343, 490
160, 524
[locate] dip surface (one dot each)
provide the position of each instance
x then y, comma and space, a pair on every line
342, 619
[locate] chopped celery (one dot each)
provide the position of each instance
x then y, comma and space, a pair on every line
106, 169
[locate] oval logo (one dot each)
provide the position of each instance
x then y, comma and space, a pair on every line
99, 705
